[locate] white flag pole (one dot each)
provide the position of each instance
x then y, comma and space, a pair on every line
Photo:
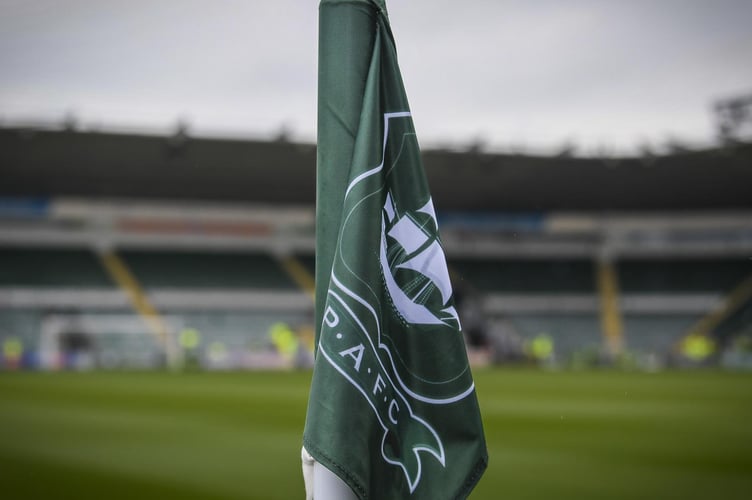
321, 483
308, 462
328, 486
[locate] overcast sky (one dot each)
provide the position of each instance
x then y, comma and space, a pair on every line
535, 74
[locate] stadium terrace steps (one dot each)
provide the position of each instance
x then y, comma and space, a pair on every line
23, 324
569, 332
656, 332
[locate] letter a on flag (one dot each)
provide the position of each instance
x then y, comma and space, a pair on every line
392, 409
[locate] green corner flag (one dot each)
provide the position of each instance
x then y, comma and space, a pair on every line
392, 409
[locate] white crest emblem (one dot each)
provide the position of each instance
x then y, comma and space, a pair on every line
424, 296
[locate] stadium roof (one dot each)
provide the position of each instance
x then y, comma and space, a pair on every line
98, 164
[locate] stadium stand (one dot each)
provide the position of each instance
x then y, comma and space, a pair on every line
202, 249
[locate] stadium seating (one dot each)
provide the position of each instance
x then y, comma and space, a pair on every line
708, 275
526, 276
51, 267
206, 270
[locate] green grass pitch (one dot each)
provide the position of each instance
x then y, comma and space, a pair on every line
551, 435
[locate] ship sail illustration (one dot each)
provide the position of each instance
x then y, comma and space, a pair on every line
421, 296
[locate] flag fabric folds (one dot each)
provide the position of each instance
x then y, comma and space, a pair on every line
392, 408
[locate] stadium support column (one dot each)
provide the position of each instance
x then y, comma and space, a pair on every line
121, 275
610, 312
728, 306
299, 274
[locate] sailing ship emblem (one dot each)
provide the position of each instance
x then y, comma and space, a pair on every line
414, 266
